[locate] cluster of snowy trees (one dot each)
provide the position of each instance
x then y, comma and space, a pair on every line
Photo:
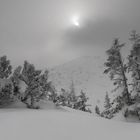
36, 87
35, 82
70, 99
125, 74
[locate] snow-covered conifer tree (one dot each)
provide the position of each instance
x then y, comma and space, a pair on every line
107, 103
116, 69
134, 61
31, 78
97, 110
5, 67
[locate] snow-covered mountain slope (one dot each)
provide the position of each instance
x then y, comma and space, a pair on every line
54, 124
86, 74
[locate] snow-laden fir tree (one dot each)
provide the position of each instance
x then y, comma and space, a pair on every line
97, 110
116, 69
38, 86
107, 103
31, 78
109, 111
6, 94
61, 99
6, 86
134, 70
15, 78
5, 67
134, 62
81, 102
72, 95
72, 89
46, 86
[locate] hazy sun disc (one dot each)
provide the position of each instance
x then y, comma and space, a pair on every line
75, 21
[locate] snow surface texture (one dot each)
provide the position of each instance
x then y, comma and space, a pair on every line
86, 74
52, 123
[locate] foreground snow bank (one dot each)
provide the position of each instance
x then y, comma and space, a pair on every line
54, 124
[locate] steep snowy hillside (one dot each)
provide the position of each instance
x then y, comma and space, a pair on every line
86, 74
54, 124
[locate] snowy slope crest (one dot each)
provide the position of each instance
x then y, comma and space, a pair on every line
86, 73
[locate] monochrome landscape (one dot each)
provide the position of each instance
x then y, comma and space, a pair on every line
69, 70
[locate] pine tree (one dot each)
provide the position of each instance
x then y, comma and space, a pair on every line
107, 104
45, 85
31, 77
5, 67
97, 110
64, 98
38, 85
134, 70
81, 102
71, 96
116, 68
6, 94
72, 89
15, 78
134, 61
52, 93
6, 87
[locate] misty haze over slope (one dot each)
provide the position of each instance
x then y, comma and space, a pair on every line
86, 73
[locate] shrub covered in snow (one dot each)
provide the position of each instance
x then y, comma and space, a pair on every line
6, 94
5, 67
6, 86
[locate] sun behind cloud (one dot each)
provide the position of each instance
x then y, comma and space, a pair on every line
75, 21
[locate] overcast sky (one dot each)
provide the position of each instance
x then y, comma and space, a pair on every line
43, 32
